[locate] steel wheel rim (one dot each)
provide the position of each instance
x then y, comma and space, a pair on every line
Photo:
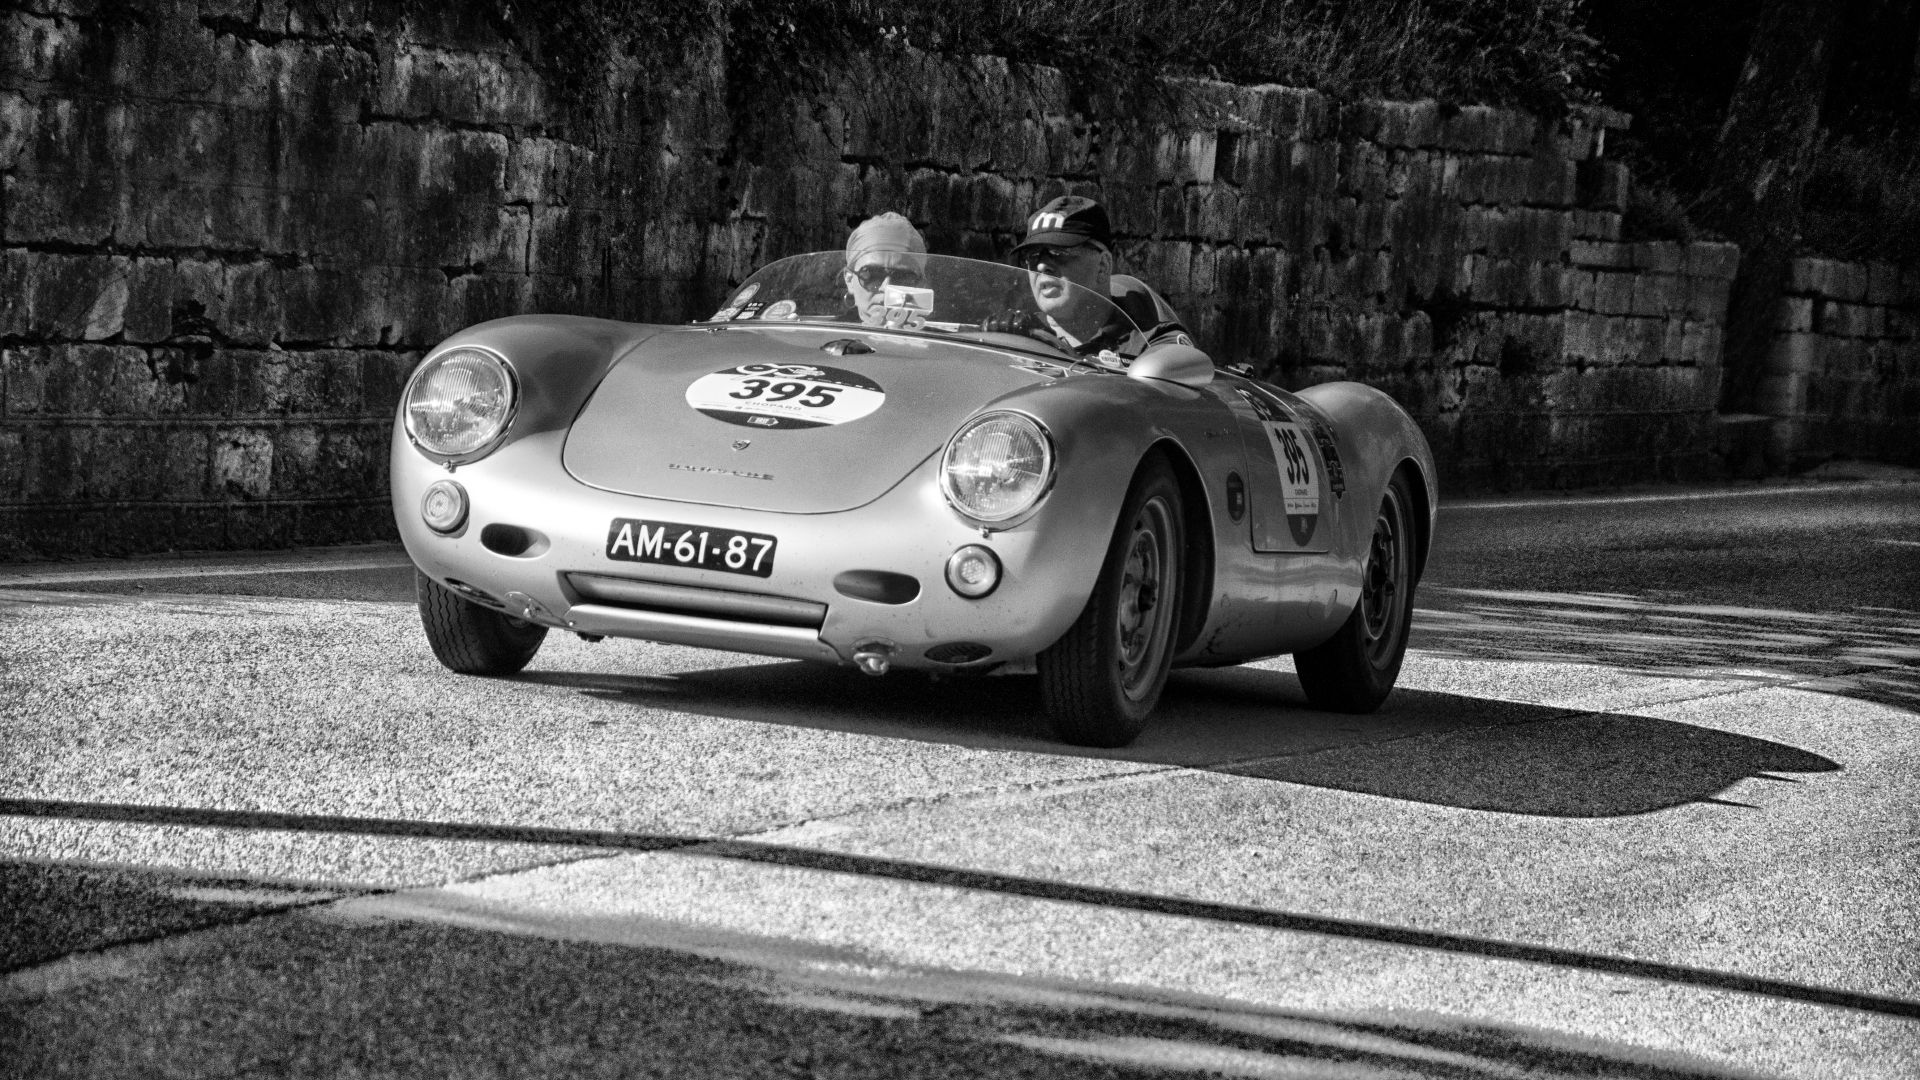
1143, 620
1383, 590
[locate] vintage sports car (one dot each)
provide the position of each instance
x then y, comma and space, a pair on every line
902, 487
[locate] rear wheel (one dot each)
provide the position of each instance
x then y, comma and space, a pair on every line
1102, 679
471, 639
1354, 671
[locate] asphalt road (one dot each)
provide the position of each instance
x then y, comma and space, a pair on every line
1642, 806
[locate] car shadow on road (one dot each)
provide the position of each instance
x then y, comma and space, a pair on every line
1870, 654
1425, 746
354, 988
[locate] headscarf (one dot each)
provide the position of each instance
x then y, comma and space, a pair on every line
887, 232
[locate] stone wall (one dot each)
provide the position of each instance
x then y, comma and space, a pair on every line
1843, 376
229, 228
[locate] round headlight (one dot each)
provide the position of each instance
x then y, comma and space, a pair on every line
998, 466
459, 402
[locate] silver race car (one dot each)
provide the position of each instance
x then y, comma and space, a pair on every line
913, 485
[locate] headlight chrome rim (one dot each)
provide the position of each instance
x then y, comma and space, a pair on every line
501, 423
1037, 488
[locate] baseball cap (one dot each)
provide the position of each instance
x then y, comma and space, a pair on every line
1067, 221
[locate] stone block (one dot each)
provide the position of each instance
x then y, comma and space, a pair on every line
1699, 343
19, 118
1883, 284
242, 462
40, 209
1584, 337
1707, 297
296, 469
1372, 229
1605, 185
13, 474
1659, 256
1705, 259
1598, 225
1837, 319
1794, 313
1363, 170
1828, 278
184, 459
1655, 294
1409, 124
1199, 157
1795, 354
1614, 293
1551, 182
117, 466
1203, 273
537, 169
1474, 181
1470, 128
1782, 395
1069, 146
1514, 180
1600, 254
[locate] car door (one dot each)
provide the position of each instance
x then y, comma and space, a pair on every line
1295, 475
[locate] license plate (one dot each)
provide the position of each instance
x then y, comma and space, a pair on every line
701, 547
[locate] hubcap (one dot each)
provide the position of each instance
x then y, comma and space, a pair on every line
1385, 580
1144, 622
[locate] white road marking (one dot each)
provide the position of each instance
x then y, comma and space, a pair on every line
1679, 496
27, 578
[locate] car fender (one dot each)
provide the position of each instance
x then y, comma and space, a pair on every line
1103, 427
1376, 437
557, 362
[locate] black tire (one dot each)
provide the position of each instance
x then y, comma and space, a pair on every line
1354, 671
1101, 680
470, 639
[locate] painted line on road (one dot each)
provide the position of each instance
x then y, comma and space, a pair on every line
1687, 496
69, 577
763, 853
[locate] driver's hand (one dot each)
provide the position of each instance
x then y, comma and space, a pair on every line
1015, 321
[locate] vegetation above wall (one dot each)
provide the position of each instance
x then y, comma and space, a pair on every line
1532, 53
1675, 68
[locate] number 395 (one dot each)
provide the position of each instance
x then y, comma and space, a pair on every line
813, 396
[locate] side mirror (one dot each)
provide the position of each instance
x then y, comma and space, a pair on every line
1173, 363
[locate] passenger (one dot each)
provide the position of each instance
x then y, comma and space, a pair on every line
1070, 239
883, 250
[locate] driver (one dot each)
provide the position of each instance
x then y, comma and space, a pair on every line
883, 250
1071, 240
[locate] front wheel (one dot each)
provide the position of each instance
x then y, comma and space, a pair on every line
1354, 671
470, 639
1101, 680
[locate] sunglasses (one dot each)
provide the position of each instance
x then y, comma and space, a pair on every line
872, 277
1029, 258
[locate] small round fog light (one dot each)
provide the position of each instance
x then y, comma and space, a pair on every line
973, 571
444, 506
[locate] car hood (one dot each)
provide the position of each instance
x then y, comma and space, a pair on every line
794, 419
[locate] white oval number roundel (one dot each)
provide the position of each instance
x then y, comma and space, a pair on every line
785, 395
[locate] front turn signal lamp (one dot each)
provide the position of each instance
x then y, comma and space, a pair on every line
443, 506
458, 404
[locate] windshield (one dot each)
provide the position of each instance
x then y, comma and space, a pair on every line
937, 294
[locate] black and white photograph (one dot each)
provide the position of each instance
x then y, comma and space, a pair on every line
882, 539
